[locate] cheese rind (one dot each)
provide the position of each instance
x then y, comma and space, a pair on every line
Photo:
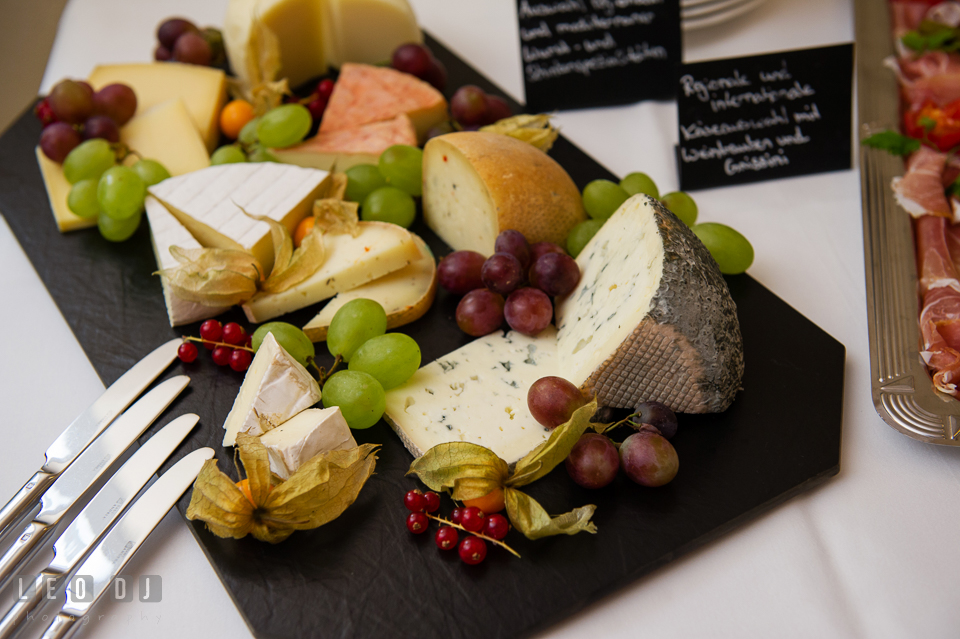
652, 317
166, 133
304, 436
58, 189
477, 394
275, 388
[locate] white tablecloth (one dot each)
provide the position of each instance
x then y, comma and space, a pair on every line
873, 553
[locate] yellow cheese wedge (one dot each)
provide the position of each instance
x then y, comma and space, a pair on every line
203, 90
165, 133
405, 295
57, 191
369, 30
380, 248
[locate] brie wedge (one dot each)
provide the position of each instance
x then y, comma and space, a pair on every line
304, 436
275, 388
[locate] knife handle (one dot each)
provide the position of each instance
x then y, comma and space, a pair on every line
22, 549
26, 604
61, 627
25, 497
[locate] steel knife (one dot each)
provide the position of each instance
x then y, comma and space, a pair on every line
87, 426
112, 554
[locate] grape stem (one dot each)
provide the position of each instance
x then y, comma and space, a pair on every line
323, 374
475, 534
188, 338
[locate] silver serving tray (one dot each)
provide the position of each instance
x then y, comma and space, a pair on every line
902, 389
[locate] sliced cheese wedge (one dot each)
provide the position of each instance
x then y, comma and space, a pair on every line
344, 149
477, 394
208, 203
166, 133
369, 30
381, 248
405, 295
652, 318
166, 231
275, 388
202, 89
57, 191
303, 437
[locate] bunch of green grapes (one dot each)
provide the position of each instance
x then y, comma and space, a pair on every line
385, 191
278, 128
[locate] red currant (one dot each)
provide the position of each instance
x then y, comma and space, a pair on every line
446, 537
496, 526
212, 331
44, 112
472, 519
417, 523
240, 360
431, 502
317, 107
414, 501
325, 88
233, 333
221, 355
247, 341
472, 550
457, 515
187, 352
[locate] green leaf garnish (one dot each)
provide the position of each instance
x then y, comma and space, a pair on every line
892, 142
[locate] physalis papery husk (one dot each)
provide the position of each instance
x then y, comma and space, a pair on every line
212, 277
533, 129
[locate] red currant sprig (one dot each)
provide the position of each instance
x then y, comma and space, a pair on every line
230, 345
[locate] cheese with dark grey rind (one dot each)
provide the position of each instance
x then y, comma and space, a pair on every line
652, 317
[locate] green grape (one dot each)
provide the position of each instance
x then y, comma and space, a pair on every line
354, 323
248, 134
640, 183
88, 161
681, 205
284, 125
228, 154
391, 359
402, 166
359, 396
118, 230
731, 250
289, 337
581, 234
389, 204
151, 172
259, 153
121, 192
362, 180
83, 198
601, 198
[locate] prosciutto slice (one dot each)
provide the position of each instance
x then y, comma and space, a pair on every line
940, 331
934, 261
920, 190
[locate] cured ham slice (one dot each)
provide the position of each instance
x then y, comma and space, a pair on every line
906, 16
932, 77
920, 191
940, 331
934, 260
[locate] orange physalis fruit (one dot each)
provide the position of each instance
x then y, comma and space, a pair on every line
490, 503
302, 229
234, 117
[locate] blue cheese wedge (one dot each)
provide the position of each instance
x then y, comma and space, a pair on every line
303, 437
476, 394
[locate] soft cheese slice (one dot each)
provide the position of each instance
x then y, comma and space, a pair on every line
275, 388
652, 318
166, 231
369, 30
202, 89
304, 436
57, 191
381, 248
166, 133
405, 295
477, 394
208, 203
350, 147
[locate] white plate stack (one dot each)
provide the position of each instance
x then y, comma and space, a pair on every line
698, 14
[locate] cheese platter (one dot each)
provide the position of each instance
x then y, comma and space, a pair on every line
360, 574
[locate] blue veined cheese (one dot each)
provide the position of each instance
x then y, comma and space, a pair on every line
477, 394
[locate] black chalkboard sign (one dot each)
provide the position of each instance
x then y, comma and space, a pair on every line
764, 117
587, 53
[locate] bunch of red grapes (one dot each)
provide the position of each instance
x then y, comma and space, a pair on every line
419, 61
179, 40
514, 284
74, 112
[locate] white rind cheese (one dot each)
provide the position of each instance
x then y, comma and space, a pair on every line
304, 436
476, 394
275, 388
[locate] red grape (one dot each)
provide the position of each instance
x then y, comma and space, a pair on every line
528, 311
58, 139
162, 54
100, 126
502, 273
514, 243
540, 249
459, 272
593, 462
325, 88
192, 49
480, 312
170, 31
412, 58
317, 107
469, 105
555, 274
552, 400
497, 109
436, 75
439, 129
71, 102
649, 459
116, 101
657, 415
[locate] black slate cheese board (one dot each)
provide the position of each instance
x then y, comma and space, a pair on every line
364, 575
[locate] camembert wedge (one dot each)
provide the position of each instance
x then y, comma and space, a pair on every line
304, 436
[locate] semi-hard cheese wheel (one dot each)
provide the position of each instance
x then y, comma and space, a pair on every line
477, 184
652, 318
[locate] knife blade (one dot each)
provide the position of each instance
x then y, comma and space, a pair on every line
97, 516
78, 435
127, 535
87, 469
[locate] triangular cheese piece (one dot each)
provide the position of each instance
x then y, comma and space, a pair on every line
304, 436
275, 388
350, 147
58, 189
365, 94
208, 203
166, 133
